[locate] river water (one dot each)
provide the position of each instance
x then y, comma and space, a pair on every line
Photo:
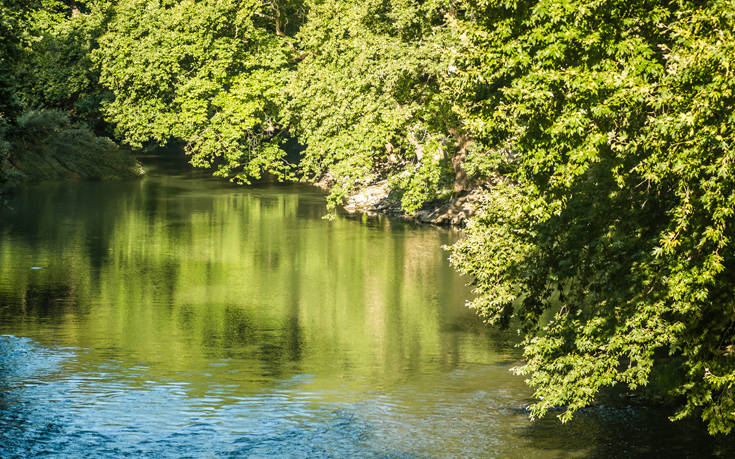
180, 316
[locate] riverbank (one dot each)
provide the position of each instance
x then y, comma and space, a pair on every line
376, 199
47, 146
35, 165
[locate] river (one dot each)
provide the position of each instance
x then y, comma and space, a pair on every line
182, 316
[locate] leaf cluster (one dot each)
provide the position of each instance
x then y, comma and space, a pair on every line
616, 121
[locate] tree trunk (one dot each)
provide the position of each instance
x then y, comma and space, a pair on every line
461, 179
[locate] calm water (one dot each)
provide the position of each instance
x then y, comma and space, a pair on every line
181, 316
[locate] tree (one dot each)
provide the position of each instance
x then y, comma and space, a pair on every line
616, 119
366, 99
13, 14
50, 95
209, 73
56, 71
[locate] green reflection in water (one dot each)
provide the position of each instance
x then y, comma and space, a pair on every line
212, 320
213, 284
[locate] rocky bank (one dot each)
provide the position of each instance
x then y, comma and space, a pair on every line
376, 200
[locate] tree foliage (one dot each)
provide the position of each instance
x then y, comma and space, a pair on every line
617, 120
56, 71
366, 99
208, 73
50, 94
13, 15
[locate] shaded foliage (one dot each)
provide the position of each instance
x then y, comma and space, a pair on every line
50, 94
56, 71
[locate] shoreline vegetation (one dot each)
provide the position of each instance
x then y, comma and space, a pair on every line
47, 146
586, 148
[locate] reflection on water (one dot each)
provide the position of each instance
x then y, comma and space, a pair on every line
178, 315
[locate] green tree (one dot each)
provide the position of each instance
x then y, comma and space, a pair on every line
57, 72
616, 120
366, 98
50, 94
208, 73
13, 17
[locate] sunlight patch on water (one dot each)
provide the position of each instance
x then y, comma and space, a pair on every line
104, 413
44, 412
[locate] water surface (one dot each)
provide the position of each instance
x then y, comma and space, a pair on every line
181, 316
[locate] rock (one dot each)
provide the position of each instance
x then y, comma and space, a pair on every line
375, 199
